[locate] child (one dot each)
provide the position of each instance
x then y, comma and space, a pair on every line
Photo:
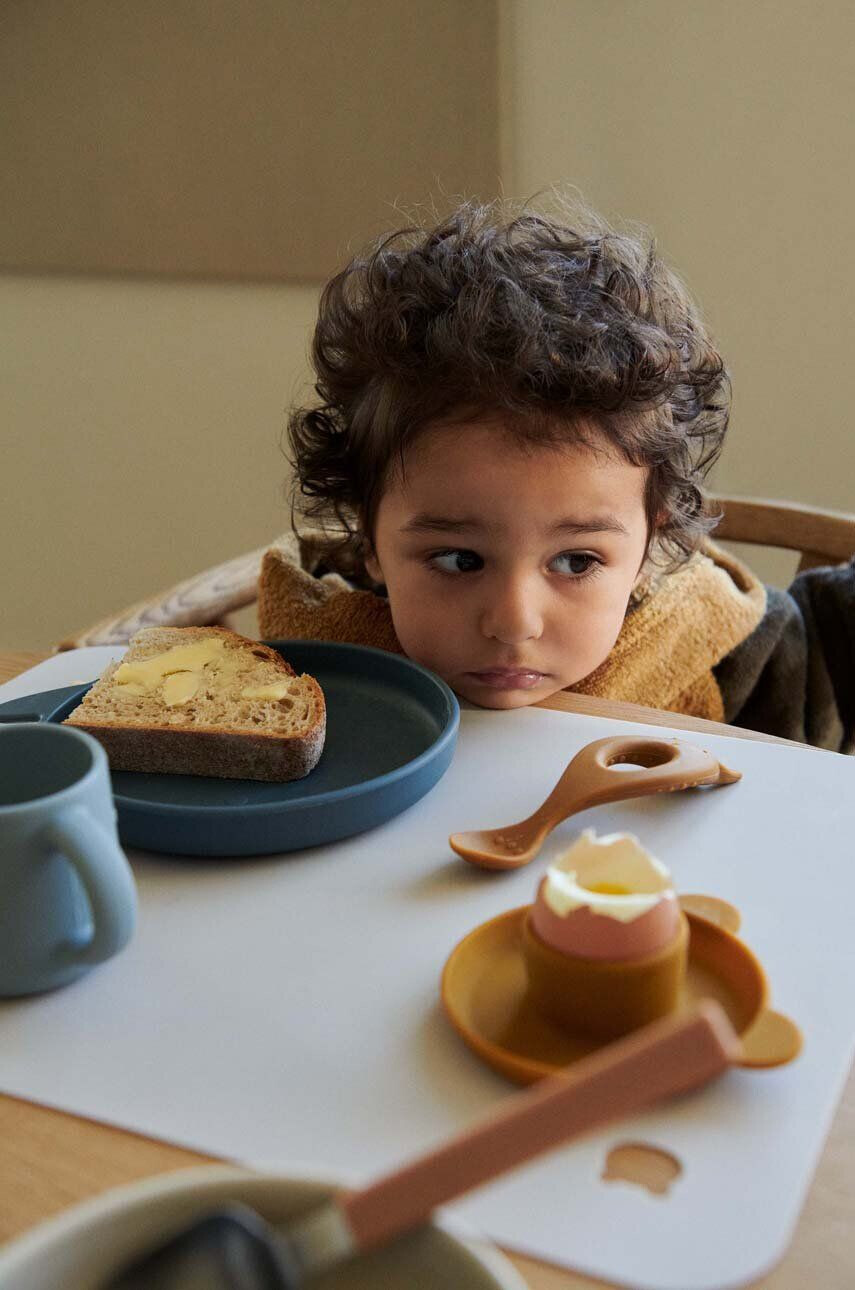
514, 421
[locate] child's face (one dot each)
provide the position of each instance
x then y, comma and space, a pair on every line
508, 571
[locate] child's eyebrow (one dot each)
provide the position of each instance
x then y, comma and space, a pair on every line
426, 523
596, 524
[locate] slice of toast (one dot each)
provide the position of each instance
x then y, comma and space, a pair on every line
205, 701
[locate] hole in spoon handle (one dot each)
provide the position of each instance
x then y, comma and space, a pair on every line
664, 766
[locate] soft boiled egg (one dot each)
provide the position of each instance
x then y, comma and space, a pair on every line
606, 898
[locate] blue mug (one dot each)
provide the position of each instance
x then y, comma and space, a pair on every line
67, 894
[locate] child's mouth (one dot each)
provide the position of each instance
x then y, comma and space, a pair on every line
505, 678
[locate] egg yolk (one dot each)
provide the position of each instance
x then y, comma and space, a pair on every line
607, 888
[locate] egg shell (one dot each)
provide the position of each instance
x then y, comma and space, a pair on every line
584, 934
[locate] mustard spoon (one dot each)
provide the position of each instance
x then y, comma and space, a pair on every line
665, 766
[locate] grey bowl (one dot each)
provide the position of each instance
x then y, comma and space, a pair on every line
81, 1247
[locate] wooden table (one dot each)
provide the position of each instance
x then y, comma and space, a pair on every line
50, 1160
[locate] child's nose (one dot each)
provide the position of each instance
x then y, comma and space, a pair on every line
511, 613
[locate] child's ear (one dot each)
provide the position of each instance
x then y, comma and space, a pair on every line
652, 538
372, 564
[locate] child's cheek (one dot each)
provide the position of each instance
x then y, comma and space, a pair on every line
594, 634
425, 627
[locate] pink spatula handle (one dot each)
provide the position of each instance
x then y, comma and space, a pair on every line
667, 1057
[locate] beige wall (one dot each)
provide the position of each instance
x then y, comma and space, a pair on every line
140, 418
234, 139
140, 438
139, 421
729, 128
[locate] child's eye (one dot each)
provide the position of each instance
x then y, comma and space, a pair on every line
575, 564
456, 561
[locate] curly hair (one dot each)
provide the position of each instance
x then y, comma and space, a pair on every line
559, 329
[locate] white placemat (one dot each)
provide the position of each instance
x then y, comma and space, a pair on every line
286, 1008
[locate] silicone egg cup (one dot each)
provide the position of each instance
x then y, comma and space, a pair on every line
603, 997
486, 996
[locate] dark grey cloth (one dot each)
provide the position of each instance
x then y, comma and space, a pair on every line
794, 676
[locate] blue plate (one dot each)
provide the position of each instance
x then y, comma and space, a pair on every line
391, 731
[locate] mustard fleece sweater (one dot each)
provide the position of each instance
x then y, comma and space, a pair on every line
678, 626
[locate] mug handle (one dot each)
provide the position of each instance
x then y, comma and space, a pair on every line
106, 877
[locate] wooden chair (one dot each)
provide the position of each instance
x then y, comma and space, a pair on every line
820, 536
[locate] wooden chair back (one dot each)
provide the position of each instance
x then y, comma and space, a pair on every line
819, 536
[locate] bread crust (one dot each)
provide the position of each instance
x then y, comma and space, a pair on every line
223, 751
165, 750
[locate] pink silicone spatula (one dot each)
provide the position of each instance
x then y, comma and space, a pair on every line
670, 1056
